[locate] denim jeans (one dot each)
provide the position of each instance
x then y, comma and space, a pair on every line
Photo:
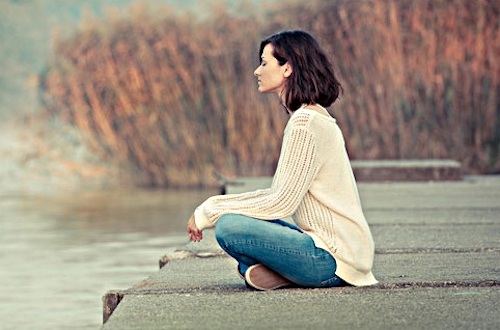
280, 246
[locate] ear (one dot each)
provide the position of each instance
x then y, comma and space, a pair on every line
287, 70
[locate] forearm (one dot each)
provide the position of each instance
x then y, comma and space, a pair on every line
295, 172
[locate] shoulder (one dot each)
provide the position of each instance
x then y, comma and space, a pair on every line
300, 118
310, 119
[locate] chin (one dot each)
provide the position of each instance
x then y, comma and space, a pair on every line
263, 90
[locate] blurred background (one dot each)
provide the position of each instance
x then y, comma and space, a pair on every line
118, 117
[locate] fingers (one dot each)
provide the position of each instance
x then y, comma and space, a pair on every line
194, 233
195, 236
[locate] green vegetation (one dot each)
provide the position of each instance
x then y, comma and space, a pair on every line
172, 96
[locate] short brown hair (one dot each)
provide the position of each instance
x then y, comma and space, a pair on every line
312, 80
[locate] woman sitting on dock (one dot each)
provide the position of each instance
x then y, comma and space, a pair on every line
330, 243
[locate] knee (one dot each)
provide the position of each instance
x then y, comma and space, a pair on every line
225, 226
224, 229
234, 226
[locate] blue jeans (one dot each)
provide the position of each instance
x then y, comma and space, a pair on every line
280, 246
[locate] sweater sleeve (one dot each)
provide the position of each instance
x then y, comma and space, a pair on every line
294, 174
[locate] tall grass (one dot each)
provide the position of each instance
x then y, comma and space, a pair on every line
173, 97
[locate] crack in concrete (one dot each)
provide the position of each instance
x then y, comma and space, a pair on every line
437, 250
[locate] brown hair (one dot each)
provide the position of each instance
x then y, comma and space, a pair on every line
312, 79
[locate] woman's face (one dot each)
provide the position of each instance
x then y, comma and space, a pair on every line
271, 76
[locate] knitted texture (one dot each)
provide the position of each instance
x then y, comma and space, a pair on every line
315, 186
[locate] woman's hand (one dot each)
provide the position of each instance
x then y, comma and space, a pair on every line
193, 232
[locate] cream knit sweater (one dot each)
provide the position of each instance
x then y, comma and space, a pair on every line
314, 185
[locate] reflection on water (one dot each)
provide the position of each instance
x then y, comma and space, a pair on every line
60, 254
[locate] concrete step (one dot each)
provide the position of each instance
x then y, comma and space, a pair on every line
340, 308
437, 259
407, 170
200, 292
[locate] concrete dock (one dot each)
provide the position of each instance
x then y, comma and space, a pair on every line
437, 259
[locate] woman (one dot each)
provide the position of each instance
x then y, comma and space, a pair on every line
331, 244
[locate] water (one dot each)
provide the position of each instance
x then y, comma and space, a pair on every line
60, 253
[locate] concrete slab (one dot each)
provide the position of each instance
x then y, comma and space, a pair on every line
471, 193
406, 170
175, 297
337, 308
434, 237
435, 216
437, 260
393, 270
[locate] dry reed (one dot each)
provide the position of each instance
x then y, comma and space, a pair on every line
174, 99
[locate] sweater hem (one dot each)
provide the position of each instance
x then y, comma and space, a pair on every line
354, 276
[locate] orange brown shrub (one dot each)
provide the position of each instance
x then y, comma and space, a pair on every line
174, 99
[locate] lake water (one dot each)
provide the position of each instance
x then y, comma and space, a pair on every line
60, 253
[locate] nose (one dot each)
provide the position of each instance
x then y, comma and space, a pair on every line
256, 71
